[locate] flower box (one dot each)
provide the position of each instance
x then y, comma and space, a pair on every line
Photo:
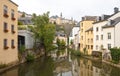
6, 30
13, 32
13, 47
6, 47
6, 15
13, 19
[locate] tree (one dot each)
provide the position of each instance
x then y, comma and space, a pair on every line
44, 31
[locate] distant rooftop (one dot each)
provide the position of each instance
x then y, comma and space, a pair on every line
91, 18
26, 20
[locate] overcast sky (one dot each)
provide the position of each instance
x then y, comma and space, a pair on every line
69, 8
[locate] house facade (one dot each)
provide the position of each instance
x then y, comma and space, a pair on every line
74, 33
76, 41
89, 40
98, 35
106, 32
8, 32
85, 24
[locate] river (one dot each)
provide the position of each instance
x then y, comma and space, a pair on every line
62, 63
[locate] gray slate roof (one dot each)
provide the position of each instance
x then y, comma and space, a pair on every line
113, 23
26, 20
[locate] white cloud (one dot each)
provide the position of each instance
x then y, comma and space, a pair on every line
69, 8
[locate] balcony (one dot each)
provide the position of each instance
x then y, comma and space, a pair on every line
6, 15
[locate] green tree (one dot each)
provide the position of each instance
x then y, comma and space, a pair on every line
44, 31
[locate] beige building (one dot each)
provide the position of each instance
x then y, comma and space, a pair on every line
8, 32
89, 40
85, 24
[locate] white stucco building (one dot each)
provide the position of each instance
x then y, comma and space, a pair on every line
98, 35
25, 37
76, 41
106, 32
74, 31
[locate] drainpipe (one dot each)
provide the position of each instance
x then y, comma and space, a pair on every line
114, 36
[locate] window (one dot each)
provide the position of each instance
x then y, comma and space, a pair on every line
109, 46
101, 37
12, 44
97, 29
97, 37
5, 9
109, 35
12, 29
12, 15
81, 24
91, 46
5, 44
5, 27
82, 37
96, 47
88, 40
91, 40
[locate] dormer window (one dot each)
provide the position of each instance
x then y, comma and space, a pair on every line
109, 22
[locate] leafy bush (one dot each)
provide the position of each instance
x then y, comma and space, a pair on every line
75, 52
2, 65
115, 53
60, 43
22, 49
30, 57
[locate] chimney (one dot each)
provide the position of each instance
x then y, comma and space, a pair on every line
116, 10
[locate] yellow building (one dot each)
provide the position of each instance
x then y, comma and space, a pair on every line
89, 40
85, 24
8, 32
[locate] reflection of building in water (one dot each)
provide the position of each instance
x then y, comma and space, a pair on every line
96, 68
75, 68
63, 68
86, 68
59, 54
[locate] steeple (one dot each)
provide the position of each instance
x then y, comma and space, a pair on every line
61, 14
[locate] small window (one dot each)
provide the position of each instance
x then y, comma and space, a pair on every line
109, 46
101, 37
5, 27
109, 35
97, 29
12, 44
88, 40
91, 46
12, 29
82, 37
91, 40
5, 9
96, 47
12, 13
5, 44
97, 37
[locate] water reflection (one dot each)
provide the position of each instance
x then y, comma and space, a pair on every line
62, 63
